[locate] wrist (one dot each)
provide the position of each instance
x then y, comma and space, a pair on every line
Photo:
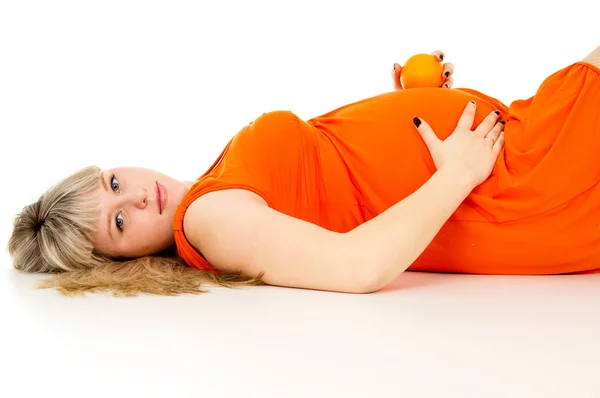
461, 177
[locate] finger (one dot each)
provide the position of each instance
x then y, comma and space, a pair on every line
439, 55
499, 144
487, 124
431, 140
448, 83
448, 69
495, 131
468, 116
396, 76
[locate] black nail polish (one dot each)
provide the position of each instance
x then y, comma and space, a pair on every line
497, 112
394, 68
441, 57
472, 101
417, 121
502, 121
447, 74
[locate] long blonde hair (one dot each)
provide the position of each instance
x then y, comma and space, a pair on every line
53, 236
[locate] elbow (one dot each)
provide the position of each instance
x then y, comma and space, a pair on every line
367, 287
370, 270
375, 274
371, 278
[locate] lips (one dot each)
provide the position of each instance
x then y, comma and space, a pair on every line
157, 196
161, 197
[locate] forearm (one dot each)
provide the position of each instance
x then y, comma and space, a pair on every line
389, 243
593, 57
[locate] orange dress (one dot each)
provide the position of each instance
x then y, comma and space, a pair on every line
538, 213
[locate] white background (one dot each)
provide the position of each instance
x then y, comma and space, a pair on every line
165, 85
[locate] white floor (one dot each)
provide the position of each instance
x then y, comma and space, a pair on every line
427, 335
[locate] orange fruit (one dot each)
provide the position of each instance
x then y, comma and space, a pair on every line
422, 70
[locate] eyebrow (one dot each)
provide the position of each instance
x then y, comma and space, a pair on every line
108, 223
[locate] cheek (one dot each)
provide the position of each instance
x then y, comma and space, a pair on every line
149, 228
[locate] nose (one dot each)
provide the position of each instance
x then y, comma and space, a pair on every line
137, 198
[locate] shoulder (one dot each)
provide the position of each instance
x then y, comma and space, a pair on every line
217, 207
215, 222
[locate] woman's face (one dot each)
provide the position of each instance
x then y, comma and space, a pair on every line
137, 206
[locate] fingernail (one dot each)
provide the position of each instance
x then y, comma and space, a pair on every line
394, 68
441, 57
472, 101
497, 112
446, 85
447, 74
502, 121
417, 121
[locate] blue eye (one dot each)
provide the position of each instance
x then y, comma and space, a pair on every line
114, 183
119, 221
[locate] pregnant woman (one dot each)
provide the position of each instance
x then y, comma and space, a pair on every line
436, 179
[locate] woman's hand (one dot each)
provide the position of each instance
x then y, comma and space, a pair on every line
447, 72
470, 152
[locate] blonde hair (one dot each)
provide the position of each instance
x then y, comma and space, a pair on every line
53, 236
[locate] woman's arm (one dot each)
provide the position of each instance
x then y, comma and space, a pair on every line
392, 241
395, 238
236, 231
